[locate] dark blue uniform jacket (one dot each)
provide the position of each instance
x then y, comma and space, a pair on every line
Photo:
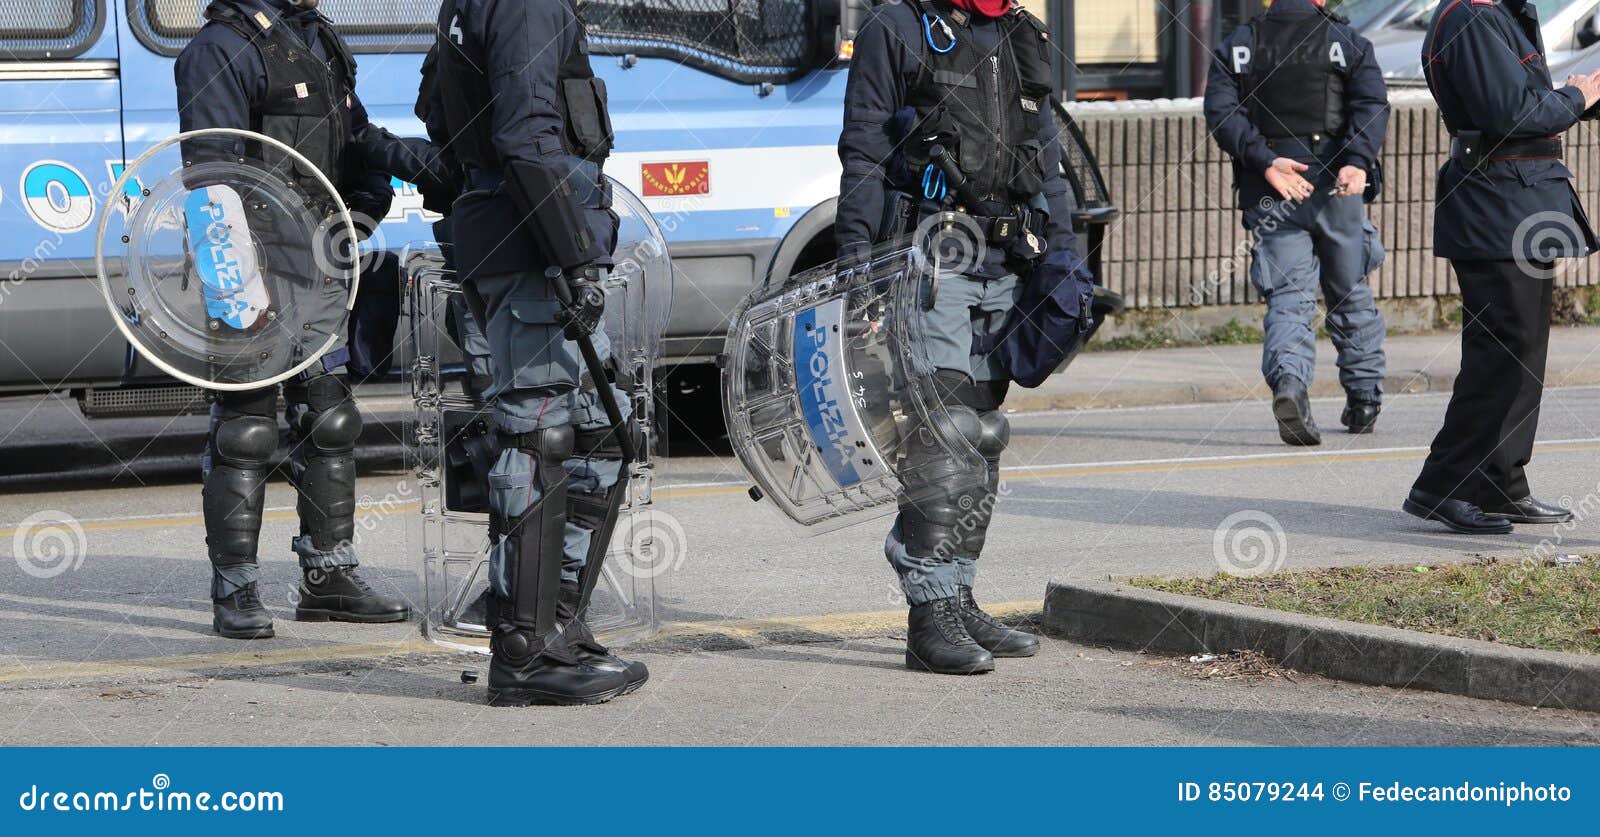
1487, 69
1227, 109
221, 80
888, 56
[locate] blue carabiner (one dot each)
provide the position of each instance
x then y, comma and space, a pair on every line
934, 185
927, 31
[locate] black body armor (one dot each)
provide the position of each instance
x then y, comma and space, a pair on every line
464, 88
985, 109
1294, 91
308, 101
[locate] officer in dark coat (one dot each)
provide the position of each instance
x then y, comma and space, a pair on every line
1296, 98
278, 68
527, 120
1505, 212
970, 77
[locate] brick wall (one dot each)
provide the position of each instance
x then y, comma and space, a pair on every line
1179, 242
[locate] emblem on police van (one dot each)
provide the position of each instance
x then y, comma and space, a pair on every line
662, 180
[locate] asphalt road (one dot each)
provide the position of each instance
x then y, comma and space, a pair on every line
775, 637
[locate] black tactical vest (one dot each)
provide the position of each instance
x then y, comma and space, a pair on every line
1293, 89
464, 89
308, 101
984, 108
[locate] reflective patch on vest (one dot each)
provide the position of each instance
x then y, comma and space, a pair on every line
263, 21
1030, 105
300, 90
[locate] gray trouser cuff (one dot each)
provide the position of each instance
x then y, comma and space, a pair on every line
312, 558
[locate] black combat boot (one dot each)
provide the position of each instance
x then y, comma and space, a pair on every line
338, 594
937, 641
240, 615
996, 638
1360, 414
1292, 408
521, 673
586, 648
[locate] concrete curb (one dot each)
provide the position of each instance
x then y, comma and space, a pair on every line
1118, 614
1029, 401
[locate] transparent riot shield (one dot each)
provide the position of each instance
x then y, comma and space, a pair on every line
453, 443
221, 269
829, 403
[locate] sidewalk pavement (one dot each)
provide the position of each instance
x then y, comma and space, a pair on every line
1417, 363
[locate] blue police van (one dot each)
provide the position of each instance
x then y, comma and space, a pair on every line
727, 115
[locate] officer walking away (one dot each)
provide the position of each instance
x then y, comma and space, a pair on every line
1295, 97
1505, 210
968, 79
278, 68
527, 120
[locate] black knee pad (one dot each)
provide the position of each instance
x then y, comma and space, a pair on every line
245, 441
994, 434
335, 429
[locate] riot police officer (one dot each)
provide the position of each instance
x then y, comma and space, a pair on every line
1505, 211
277, 67
527, 120
968, 79
1295, 97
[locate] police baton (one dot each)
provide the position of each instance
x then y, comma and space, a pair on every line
597, 369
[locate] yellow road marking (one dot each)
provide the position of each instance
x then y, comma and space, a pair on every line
839, 625
1023, 472
205, 662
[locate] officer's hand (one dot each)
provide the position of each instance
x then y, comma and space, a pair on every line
1589, 86
1284, 175
1352, 181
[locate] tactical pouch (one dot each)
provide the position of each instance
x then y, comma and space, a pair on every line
1374, 183
1027, 179
899, 216
1467, 147
588, 123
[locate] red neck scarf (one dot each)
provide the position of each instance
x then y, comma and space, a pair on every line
987, 8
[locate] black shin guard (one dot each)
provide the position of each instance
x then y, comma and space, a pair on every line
325, 462
946, 508
598, 512
524, 626
242, 442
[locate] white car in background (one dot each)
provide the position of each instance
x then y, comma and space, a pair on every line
1570, 28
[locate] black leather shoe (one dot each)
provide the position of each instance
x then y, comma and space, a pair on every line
995, 638
1292, 408
587, 649
520, 674
241, 615
1360, 416
937, 641
1459, 515
1529, 510
340, 595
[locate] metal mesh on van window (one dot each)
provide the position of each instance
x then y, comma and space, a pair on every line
366, 25
746, 40
48, 29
